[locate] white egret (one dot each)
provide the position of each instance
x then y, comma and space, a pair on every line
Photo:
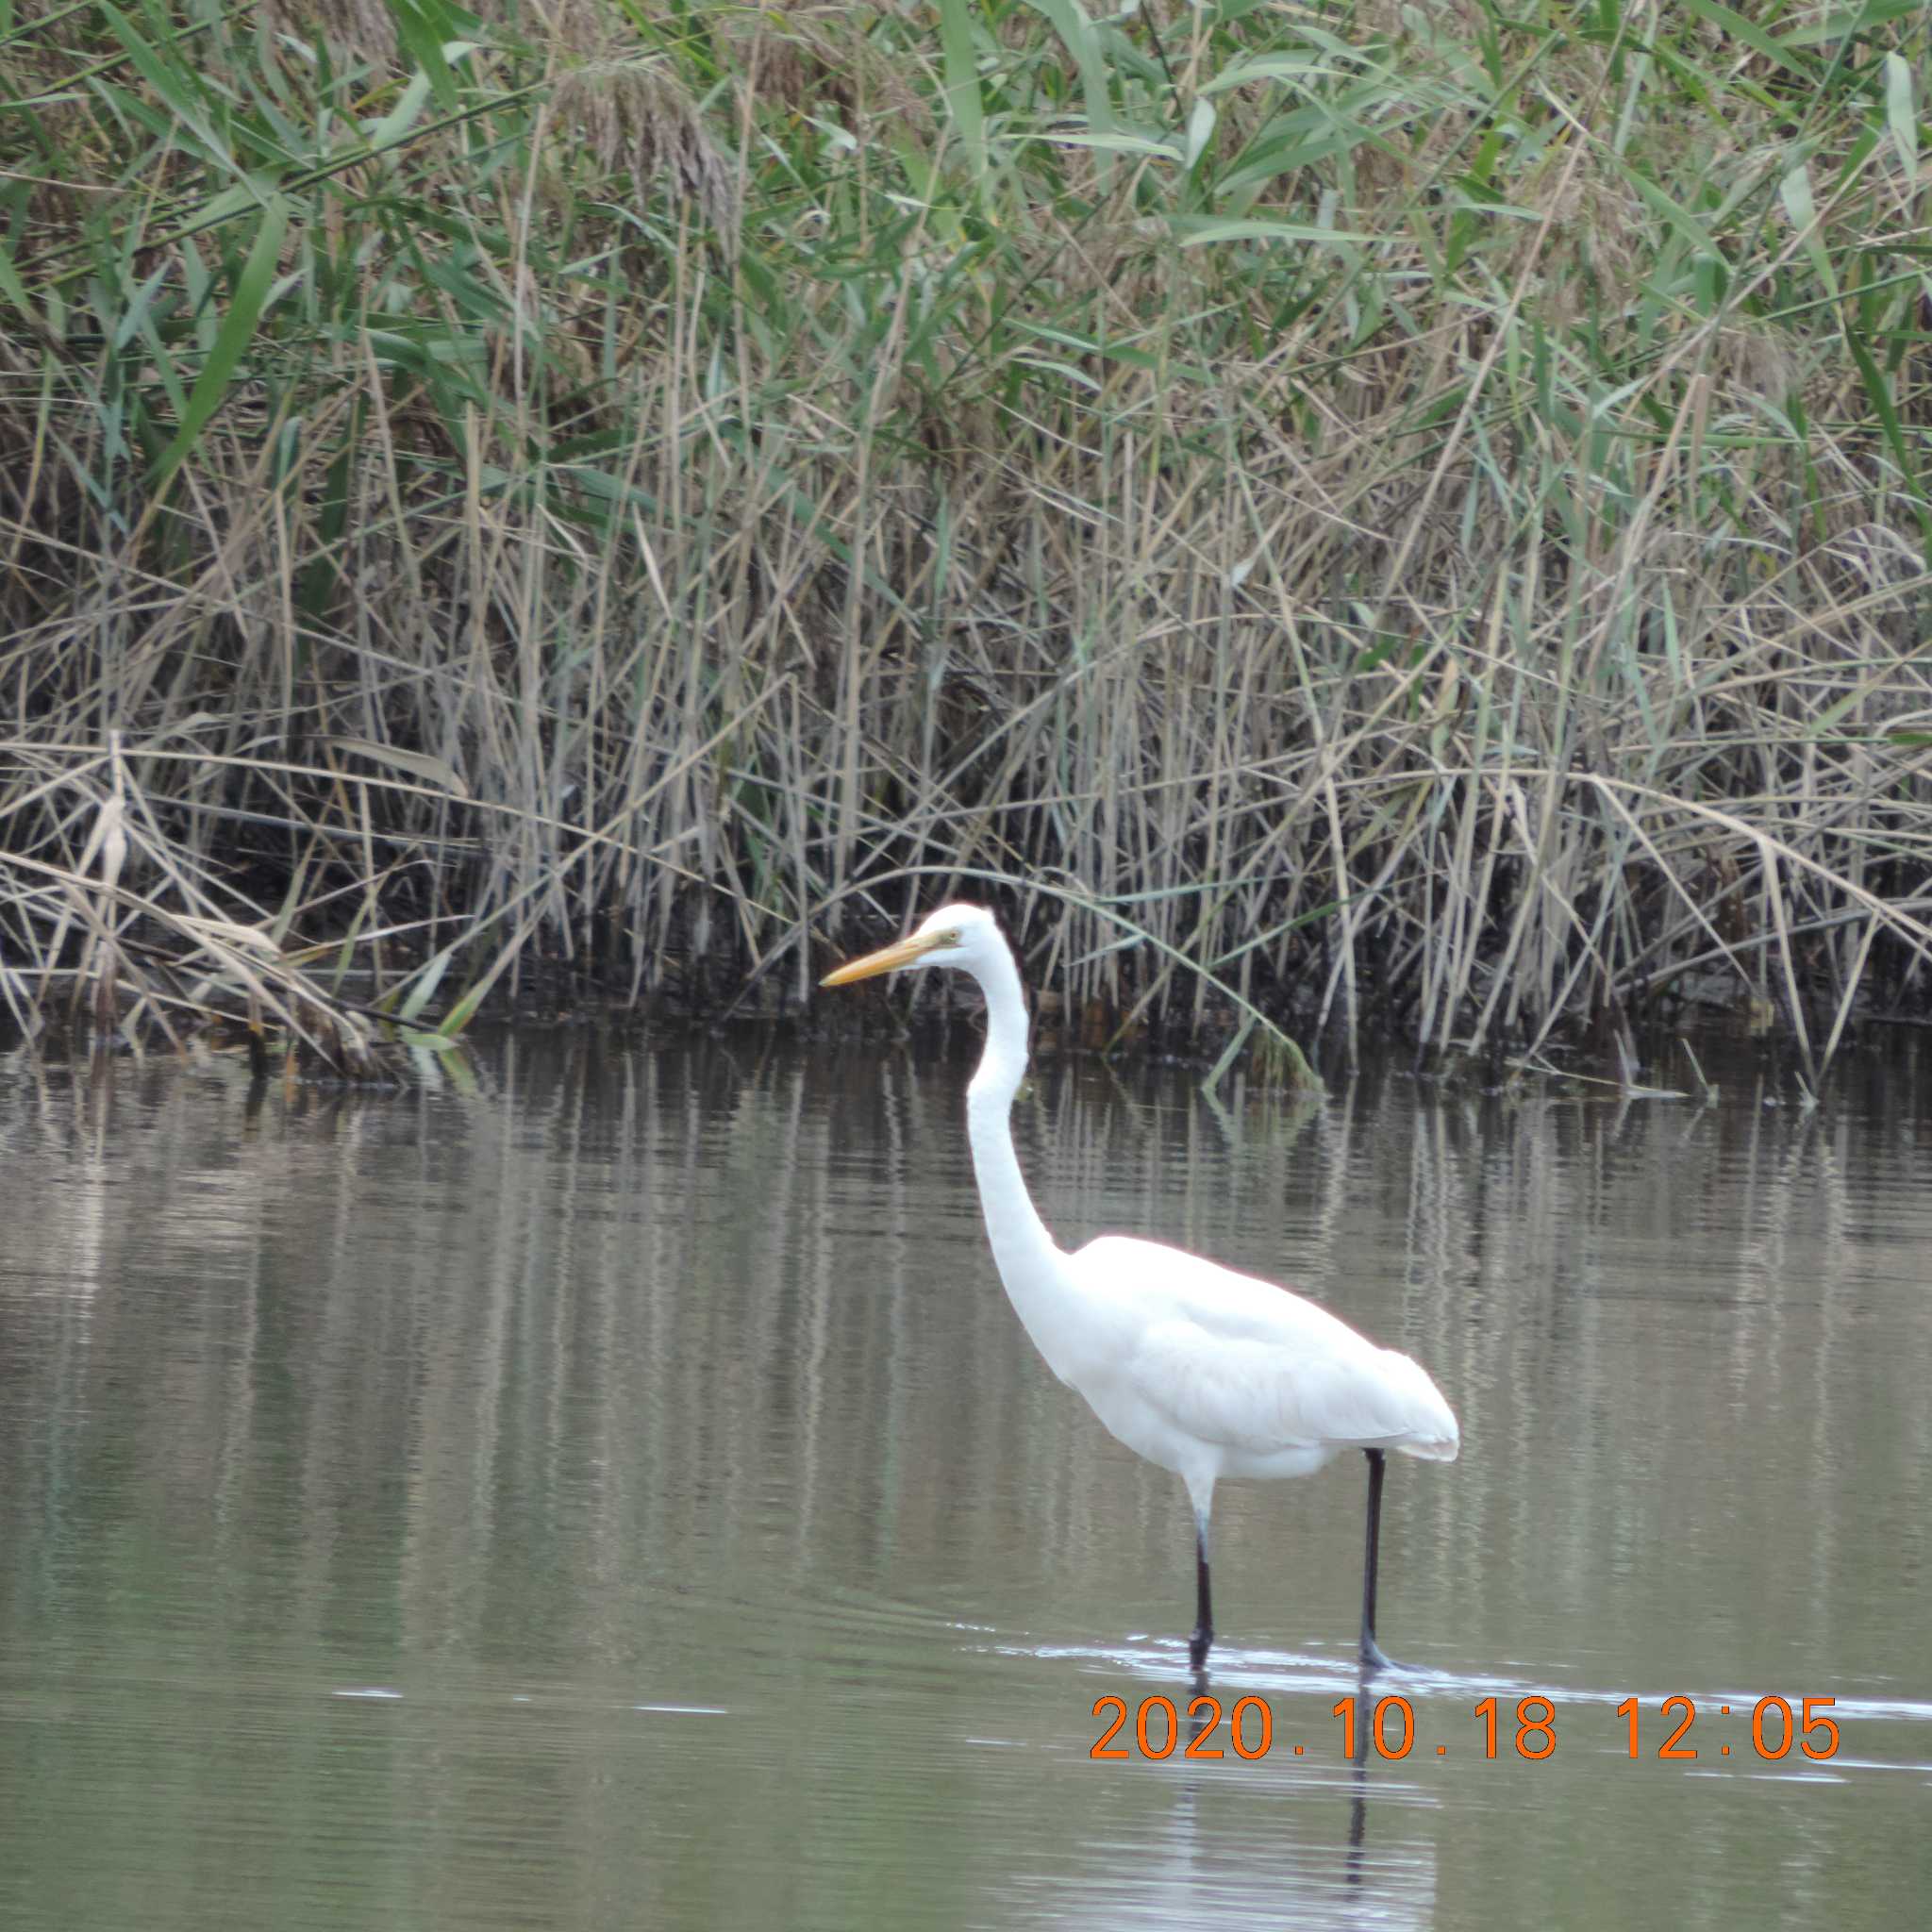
1202, 1370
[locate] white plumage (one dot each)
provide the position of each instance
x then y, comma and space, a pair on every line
1200, 1369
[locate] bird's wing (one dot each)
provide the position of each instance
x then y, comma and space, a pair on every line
1236, 1360
1254, 1396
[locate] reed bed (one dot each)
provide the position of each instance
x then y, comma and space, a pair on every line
1369, 518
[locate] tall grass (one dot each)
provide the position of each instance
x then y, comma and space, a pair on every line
1419, 508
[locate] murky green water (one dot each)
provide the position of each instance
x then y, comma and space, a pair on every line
621, 1495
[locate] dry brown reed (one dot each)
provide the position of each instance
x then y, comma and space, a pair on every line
1506, 623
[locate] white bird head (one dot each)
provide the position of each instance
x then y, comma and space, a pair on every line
967, 937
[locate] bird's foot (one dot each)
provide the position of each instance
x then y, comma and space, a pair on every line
1198, 1645
1373, 1657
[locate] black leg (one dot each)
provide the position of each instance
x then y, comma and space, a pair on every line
1373, 1657
1204, 1609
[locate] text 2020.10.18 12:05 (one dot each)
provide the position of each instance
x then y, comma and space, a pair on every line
1155, 1729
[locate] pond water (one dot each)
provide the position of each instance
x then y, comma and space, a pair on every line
611, 1489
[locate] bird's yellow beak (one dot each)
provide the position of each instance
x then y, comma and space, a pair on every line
887, 960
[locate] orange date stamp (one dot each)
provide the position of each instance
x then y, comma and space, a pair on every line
1770, 1728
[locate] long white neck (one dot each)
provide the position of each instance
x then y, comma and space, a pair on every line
1030, 1265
